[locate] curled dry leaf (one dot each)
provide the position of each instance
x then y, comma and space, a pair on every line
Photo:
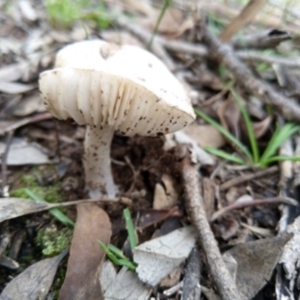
165, 196
260, 128
34, 282
205, 135
86, 256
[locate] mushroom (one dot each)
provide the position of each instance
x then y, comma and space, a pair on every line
112, 88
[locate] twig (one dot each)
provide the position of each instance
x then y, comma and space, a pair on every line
199, 50
243, 178
4, 192
264, 39
225, 55
255, 202
195, 209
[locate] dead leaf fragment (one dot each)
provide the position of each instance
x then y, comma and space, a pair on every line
23, 153
205, 135
246, 16
86, 256
34, 282
289, 260
15, 207
165, 196
15, 88
159, 257
256, 262
127, 286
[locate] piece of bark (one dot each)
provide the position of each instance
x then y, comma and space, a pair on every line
191, 289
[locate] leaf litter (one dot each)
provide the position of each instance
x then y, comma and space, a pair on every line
151, 172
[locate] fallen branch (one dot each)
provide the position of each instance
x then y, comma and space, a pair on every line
224, 54
196, 211
199, 49
243, 178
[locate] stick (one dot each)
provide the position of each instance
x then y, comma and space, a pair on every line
195, 209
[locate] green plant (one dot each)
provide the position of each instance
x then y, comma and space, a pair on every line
63, 13
53, 241
115, 254
55, 212
28, 188
253, 157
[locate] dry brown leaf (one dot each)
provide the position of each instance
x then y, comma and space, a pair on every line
86, 256
165, 196
34, 282
205, 135
15, 207
256, 262
260, 128
246, 16
173, 23
229, 114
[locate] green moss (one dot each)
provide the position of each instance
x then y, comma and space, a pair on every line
52, 194
53, 241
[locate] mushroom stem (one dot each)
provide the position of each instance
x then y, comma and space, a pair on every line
97, 163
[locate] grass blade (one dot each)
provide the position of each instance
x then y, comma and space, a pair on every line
130, 228
225, 155
281, 158
279, 137
55, 212
252, 139
226, 133
161, 15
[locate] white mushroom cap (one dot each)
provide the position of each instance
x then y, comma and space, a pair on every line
128, 88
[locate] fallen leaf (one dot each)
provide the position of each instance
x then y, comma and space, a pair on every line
15, 207
230, 115
159, 257
15, 88
86, 256
205, 135
127, 286
148, 217
34, 282
289, 259
197, 153
165, 196
248, 13
260, 128
28, 105
256, 261
12, 72
173, 23
23, 153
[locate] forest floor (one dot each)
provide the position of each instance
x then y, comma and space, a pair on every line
215, 206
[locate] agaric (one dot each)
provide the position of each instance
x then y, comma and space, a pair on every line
113, 88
